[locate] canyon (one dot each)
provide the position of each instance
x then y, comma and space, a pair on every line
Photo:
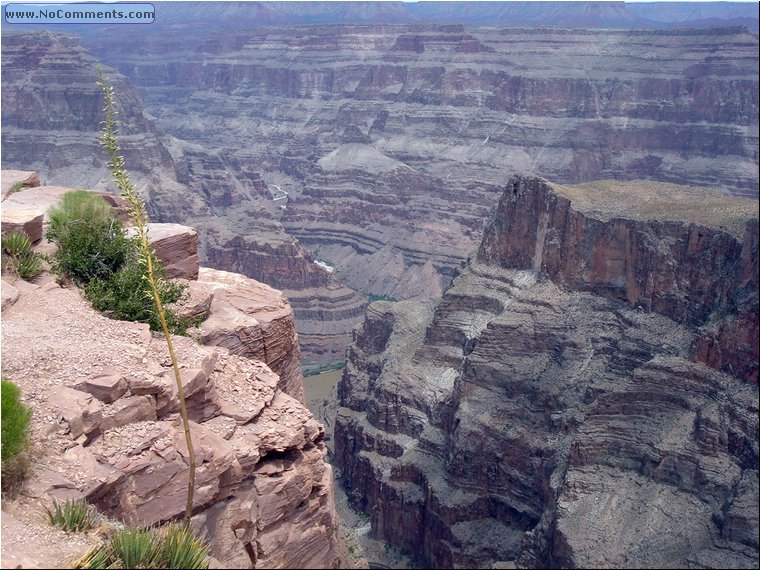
563, 410
560, 224
378, 150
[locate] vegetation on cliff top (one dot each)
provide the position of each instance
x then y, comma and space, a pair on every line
173, 546
95, 251
19, 257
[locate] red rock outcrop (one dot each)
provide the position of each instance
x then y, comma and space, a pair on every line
556, 410
106, 422
253, 320
177, 246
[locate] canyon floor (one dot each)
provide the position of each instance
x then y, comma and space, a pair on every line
361, 550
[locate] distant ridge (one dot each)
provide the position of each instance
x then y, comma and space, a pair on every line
591, 14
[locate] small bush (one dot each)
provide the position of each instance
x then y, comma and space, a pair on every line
173, 546
19, 257
92, 244
15, 434
126, 296
71, 516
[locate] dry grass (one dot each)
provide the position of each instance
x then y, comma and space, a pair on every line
646, 199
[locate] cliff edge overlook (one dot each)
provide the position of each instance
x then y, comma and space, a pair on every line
105, 426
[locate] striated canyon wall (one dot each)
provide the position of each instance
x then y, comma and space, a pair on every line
562, 410
106, 428
52, 108
391, 141
380, 149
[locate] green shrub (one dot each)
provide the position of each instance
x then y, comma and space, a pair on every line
15, 435
173, 546
19, 257
71, 516
126, 296
94, 251
92, 244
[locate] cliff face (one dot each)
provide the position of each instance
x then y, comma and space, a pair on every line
559, 410
106, 426
390, 141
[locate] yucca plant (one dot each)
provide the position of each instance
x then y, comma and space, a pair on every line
139, 218
19, 257
71, 516
16, 244
181, 549
173, 546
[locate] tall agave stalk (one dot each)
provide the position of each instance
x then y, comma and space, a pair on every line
139, 218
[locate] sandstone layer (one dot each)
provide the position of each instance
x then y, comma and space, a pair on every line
106, 427
559, 410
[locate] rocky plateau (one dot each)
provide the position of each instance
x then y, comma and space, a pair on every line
105, 426
584, 394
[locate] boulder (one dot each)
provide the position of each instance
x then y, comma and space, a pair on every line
177, 247
105, 387
81, 411
23, 220
129, 410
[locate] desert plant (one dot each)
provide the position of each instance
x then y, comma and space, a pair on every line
173, 546
139, 218
71, 516
15, 435
16, 244
92, 244
95, 251
126, 295
19, 257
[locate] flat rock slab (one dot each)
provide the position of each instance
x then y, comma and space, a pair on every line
23, 220
14, 178
106, 387
9, 294
42, 198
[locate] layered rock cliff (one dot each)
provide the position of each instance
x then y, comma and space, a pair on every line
558, 407
106, 428
52, 108
380, 148
388, 142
